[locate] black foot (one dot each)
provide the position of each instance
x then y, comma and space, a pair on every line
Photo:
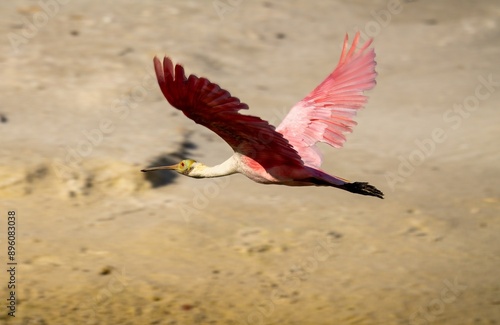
363, 188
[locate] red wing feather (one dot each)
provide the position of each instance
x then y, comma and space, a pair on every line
213, 107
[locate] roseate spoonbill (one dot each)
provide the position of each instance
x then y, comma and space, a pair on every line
285, 155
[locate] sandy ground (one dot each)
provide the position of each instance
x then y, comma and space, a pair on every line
99, 243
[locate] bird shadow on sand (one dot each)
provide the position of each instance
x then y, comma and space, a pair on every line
161, 178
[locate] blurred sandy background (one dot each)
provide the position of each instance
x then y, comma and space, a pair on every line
98, 243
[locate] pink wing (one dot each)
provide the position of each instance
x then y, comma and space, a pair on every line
209, 105
328, 111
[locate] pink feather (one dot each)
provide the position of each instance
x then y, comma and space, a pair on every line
328, 112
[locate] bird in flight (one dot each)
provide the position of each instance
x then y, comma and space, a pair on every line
287, 154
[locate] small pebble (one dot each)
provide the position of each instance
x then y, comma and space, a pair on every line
106, 270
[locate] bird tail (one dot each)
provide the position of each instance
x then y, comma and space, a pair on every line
363, 188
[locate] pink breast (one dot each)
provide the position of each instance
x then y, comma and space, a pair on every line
255, 171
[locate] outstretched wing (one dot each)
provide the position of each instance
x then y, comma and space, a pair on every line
213, 107
328, 112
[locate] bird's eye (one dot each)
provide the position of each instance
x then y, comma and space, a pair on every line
182, 164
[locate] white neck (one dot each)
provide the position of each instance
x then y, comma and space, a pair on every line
228, 167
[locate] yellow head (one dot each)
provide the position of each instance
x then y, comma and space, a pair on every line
184, 167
